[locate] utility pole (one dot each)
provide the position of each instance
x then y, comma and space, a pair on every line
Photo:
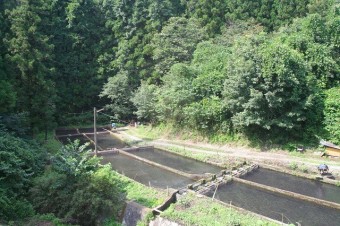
95, 130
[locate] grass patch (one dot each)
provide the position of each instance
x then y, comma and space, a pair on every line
213, 157
44, 219
146, 196
168, 131
51, 144
191, 210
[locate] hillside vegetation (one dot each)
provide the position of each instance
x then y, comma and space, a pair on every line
267, 70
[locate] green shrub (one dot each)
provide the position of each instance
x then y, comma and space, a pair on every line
20, 161
77, 189
332, 114
293, 165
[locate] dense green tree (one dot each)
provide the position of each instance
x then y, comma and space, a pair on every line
272, 14
77, 188
31, 54
211, 13
332, 114
7, 93
312, 36
176, 93
119, 91
20, 161
175, 44
78, 81
268, 90
145, 99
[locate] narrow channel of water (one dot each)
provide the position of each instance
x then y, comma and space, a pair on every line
276, 206
176, 161
295, 184
145, 173
107, 140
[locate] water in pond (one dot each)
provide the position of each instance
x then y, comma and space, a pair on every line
276, 206
107, 140
295, 184
65, 140
176, 161
145, 173
60, 132
90, 130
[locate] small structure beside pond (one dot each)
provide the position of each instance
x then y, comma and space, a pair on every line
331, 149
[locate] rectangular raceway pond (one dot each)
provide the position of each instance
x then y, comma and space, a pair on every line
295, 184
82, 140
106, 140
176, 161
145, 173
62, 132
279, 207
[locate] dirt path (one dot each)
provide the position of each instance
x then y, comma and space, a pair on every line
267, 157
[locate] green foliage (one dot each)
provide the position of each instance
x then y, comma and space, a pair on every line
175, 44
37, 219
20, 161
31, 54
76, 188
191, 210
272, 14
119, 90
312, 36
269, 89
332, 114
293, 165
145, 99
210, 13
7, 93
176, 93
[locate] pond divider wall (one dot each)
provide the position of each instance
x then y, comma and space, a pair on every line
100, 148
171, 199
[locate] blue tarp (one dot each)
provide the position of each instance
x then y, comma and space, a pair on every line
323, 167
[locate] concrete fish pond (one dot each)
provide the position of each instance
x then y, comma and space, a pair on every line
282, 208
145, 173
279, 196
295, 184
175, 161
105, 139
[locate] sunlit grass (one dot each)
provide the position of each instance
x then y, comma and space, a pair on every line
193, 210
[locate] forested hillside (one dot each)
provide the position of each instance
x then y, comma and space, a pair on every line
244, 66
214, 66
266, 69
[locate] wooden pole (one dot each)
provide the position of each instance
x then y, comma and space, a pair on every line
95, 130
